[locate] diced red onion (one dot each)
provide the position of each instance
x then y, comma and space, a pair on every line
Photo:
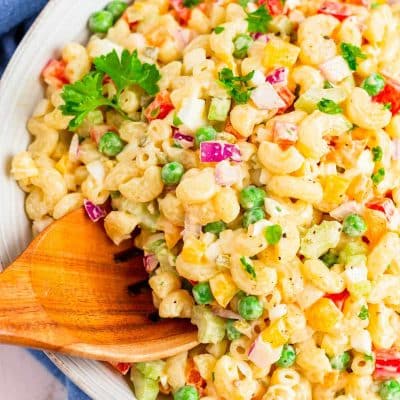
387, 207
396, 149
96, 170
123, 368
266, 98
218, 151
186, 141
262, 354
227, 174
94, 212
73, 152
260, 36
335, 70
224, 313
150, 262
345, 209
278, 76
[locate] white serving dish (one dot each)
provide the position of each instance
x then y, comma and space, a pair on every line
61, 21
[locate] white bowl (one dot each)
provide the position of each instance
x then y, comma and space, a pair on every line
61, 21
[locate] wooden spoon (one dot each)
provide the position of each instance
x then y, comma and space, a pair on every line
67, 293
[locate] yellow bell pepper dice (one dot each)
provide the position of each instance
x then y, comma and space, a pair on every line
62, 165
323, 315
278, 53
193, 251
223, 288
277, 333
335, 188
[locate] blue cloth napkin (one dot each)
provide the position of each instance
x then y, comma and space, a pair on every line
16, 16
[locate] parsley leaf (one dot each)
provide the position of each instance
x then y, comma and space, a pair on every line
248, 267
377, 153
244, 3
327, 85
351, 53
82, 97
387, 106
129, 70
219, 29
191, 3
368, 357
329, 107
236, 85
363, 315
258, 20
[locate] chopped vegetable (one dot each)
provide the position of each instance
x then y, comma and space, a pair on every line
309, 100
351, 249
182, 13
378, 176
187, 392
275, 7
172, 173
183, 140
101, 21
219, 29
273, 234
377, 153
341, 361
350, 53
248, 267
231, 332
258, 20
236, 85
215, 227
323, 315
341, 212
385, 206
320, 238
373, 84
339, 298
150, 262
279, 53
329, 107
253, 215
205, 134
335, 69
191, 3
116, 8
251, 196
387, 364
265, 97
94, 212
211, 327
389, 94
354, 225
263, 354
219, 109
110, 144
276, 333
330, 258
285, 133
202, 293
227, 174
151, 369
193, 113
250, 307
145, 388
122, 368
129, 70
338, 10
241, 44
278, 76
389, 390
288, 356
364, 314
223, 289
219, 151
160, 107
54, 73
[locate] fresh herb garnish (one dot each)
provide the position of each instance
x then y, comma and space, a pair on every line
191, 3
378, 176
363, 315
248, 267
350, 53
86, 95
387, 106
258, 20
368, 357
328, 85
329, 107
236, 85
176, 121
377, 153
244, 3
219, 29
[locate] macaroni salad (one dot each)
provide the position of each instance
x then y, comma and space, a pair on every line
256, 144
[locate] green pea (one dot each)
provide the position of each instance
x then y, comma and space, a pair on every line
377, 153
242, 43
202, 293
251, 196
215, 227
329, 107
373, 84
110, 144
231, 332
341, 361
204, 134
378, 176
389, 390
116, 8
101, 21
354, 225
186, 393
288, 356
273, 234
172, 172
253, 215
250, 308
330, 258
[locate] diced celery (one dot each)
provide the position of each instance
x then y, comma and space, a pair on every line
211, 327
351, 249
308, 101
145, 388
320, 238
281, 24
151, 369
219, 109
147, 219
358, 259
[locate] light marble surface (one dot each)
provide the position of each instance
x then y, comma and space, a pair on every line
22, 377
